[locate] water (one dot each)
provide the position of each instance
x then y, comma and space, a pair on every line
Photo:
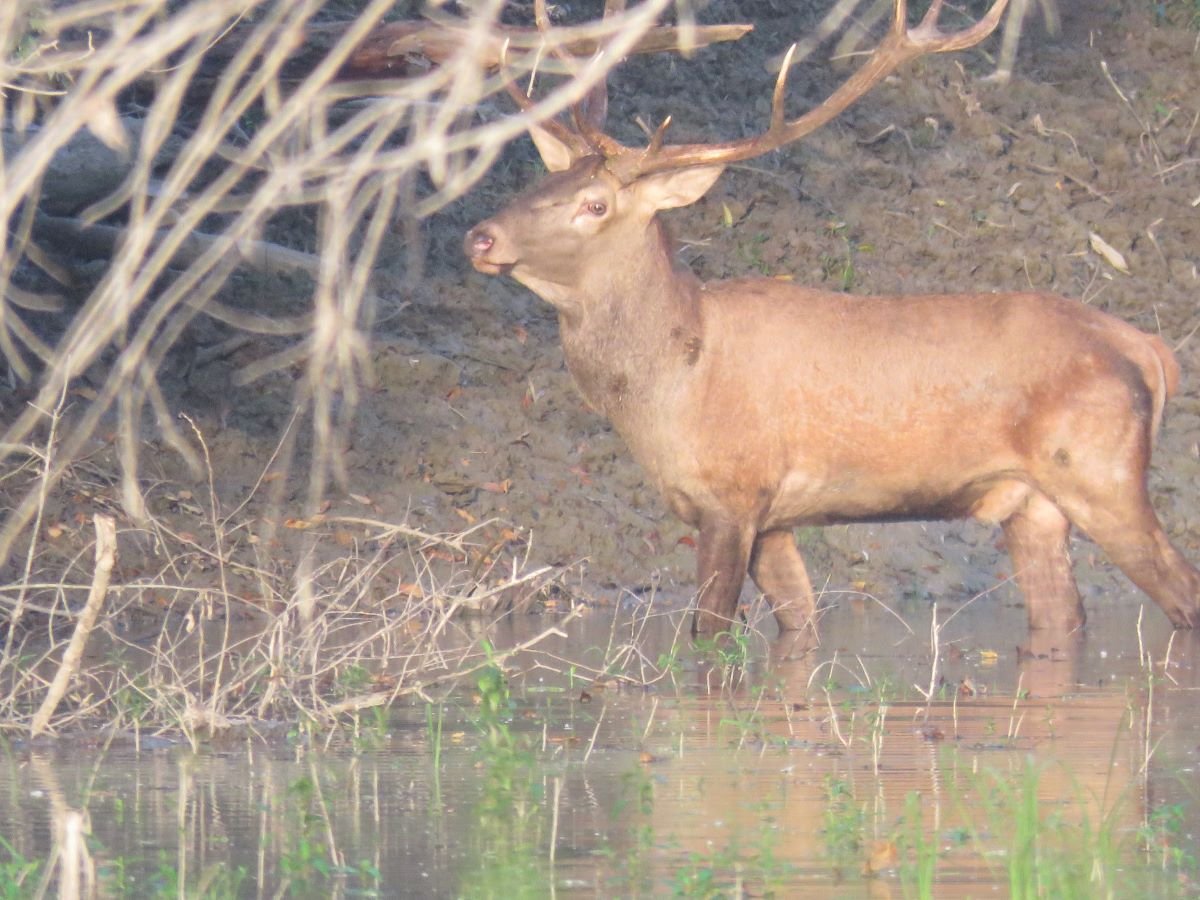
820, 772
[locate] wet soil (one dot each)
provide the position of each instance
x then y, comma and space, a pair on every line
937, 181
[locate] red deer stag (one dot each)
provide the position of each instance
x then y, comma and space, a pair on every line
756, 405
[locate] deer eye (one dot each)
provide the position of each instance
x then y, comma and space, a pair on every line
596, 208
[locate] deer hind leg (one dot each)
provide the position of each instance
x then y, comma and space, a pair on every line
722, 557
1101, 486
778, 569
1036, 535
1123, 523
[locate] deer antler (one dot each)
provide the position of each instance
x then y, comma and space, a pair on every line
901, 45
573, 139
588, 115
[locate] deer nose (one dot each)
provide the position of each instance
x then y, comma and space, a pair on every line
479, 241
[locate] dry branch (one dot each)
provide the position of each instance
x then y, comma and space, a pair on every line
369, 701
106, 554
402, 49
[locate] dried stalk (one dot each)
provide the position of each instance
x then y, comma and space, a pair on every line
106, 554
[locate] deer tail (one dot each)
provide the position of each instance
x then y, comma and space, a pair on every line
1165, 385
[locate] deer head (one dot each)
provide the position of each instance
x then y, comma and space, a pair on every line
602, 196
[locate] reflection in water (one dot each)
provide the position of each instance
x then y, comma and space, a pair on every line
763, 765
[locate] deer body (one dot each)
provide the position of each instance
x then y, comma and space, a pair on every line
756, 405
793, 406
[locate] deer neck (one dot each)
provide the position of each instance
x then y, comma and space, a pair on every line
633, 328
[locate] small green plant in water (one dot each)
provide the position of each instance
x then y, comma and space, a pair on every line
729, 650
370, 729
844, 825
165, 881
697, 878
919, 864
17, 874
1166, 842
433, 726
668, 662
757, 870
305, 863
634, 806
1064, 851
509, 818
353, 679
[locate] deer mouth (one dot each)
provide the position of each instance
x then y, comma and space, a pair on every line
491, 268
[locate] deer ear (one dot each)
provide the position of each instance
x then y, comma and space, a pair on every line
679, 187
555, 154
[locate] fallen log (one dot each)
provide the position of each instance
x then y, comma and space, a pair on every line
408, 49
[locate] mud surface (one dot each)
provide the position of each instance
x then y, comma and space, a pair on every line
937, 181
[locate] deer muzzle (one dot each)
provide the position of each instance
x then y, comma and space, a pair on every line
480, 247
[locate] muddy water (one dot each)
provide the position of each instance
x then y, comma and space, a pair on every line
821, 770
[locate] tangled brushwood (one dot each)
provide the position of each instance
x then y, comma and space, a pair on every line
150, 151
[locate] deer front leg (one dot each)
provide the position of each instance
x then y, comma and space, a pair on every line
1036, 536
723, 553
778, 569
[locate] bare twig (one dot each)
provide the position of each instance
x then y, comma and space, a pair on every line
106, 552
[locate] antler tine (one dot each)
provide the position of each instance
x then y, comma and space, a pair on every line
931, 15
525, 104
778, 116
589, 114
927, 34
901, 45
592, 112
656, 140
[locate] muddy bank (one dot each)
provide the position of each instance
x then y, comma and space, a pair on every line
937, 181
